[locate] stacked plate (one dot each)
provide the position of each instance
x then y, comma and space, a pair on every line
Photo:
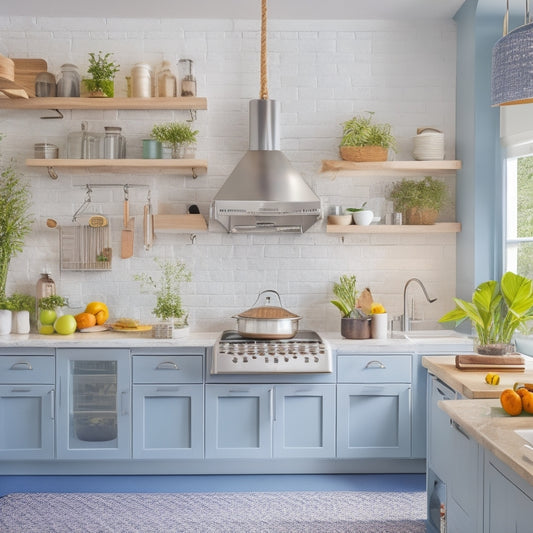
428, 145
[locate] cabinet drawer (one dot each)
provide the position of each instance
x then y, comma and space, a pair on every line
167, 369
374, 368
27, 369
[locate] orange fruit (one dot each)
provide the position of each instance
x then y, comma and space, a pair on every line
511, 402
99, 310
527, 400
85, 320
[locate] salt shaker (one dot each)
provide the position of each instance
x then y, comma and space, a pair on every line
188, 81
141, 81
68, 83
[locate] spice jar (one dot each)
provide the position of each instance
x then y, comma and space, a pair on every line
188, 81
141, 81
166, 81
68, 83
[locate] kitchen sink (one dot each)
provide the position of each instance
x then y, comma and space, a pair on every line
526, 434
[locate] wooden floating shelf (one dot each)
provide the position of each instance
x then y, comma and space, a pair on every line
177, 102
439, 227
162, 166
348, 168
179, 223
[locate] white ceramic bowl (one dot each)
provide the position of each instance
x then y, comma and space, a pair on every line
363, 218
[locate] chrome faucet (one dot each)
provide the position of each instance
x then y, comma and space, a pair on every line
406, 321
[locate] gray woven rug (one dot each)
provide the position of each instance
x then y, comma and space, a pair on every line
217, 512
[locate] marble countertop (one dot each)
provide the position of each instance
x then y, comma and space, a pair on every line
397, 344
472, 384
490, 426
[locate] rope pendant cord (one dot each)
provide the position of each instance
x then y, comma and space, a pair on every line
264, 82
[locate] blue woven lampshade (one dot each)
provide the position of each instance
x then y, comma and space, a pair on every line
512, 68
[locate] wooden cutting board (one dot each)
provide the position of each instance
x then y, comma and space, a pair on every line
25, 72
502, 363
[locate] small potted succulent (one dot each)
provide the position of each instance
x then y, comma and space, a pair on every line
355, 323
178, 136
102, 69
363, 140
419, 201
169, 306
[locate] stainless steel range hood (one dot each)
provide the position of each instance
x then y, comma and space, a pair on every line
265, 193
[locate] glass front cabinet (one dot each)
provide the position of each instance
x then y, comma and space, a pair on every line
93, 402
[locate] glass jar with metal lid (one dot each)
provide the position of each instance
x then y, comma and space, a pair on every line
68, 83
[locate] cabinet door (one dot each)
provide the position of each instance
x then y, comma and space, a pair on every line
168, 421
373, 420
93, 420
304, 421
26, 422
238, 421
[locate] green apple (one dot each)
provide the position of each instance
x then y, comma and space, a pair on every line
46, 330
65, 325
47, 317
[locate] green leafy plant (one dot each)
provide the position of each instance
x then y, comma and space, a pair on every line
346, 296
52, 302
175, 134
15, 219
427, 193
356, 209
102, 70
361, 131
22, 302
5, 304
497, 310
168, 289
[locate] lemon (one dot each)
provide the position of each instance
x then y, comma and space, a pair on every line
46, 330
492, 379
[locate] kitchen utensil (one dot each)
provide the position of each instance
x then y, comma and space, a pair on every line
127, 231
268, 321
365, 301
25, 73
148, 226
97, 221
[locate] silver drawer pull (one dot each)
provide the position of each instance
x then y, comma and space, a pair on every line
20, 390
167, 365
21, 366
375, 364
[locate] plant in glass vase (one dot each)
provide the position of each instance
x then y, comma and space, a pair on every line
178, 135
102, 69
169, 305
496, 311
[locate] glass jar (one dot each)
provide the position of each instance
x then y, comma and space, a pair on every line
188, 81
166, 81
45, 84
141, 81
84, 144
114, 143
68, 83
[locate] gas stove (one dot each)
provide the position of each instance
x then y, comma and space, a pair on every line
305, 353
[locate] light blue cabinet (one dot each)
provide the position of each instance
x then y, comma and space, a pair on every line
304, 421
93, 403
168, 407
238, 421
27, 405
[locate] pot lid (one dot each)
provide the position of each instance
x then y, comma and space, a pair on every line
267, 311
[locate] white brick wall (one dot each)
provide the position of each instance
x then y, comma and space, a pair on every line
322, 72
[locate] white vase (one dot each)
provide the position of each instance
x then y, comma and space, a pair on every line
21, 322
378, 326
178, 333
5, 321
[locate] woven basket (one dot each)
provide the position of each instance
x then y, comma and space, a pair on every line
364, 153
416, 216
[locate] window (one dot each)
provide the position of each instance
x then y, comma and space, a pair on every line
518, 232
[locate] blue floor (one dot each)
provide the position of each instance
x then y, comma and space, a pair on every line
222, 483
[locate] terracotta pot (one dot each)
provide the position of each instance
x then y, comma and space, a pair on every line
355, 328
364, 153
416, 216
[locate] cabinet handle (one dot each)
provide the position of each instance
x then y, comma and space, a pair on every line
52, 403
167, 365
20, 390
237, 391
21, 366
123, 402
167, 389
272, 405
375, 364
457, 427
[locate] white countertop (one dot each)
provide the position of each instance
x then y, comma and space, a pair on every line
207, 339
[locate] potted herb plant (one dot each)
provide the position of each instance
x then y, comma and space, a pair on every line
419, 200
102, 69
496, 311
179, 136
355, 324
169, 306
363, 140
22, 305
49, 311
15, 219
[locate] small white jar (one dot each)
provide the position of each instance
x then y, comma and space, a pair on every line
5, 321
141, 81
21, 322
363, 218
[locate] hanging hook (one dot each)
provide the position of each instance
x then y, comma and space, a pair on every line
192, 112
194, 174
52, 173
59, 115
126, 192
85, 203
192, 236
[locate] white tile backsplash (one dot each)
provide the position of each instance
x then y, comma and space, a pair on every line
322, 72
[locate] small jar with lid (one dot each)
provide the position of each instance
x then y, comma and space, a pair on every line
69, 80
166, 81
45, 84
114, 143
141, 81
188, 81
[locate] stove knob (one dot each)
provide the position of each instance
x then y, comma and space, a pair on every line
306, 359
276, 360
234, 360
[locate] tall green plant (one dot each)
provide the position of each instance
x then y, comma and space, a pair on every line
361, 131
346, 292
496, 310
15, 220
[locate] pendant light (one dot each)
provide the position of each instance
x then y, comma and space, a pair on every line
512, 64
